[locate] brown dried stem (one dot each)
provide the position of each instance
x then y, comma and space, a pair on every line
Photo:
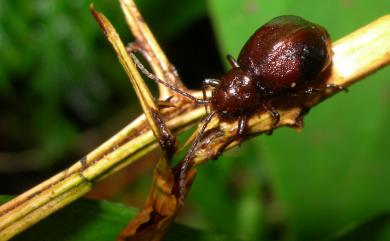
356, 55
160, 64
149, 106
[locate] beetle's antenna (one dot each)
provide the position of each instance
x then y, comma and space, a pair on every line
187, 162
168, 85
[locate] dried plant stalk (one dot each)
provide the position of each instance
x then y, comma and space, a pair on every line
145, 40
356, 55
166, 139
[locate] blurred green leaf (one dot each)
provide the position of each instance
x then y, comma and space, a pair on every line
375, 228
99, 220
228, 194
166, 25
58, 72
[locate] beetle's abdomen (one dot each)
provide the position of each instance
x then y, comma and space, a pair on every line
285, 52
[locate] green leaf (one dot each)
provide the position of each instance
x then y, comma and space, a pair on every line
166, 25
376, 228
99, 220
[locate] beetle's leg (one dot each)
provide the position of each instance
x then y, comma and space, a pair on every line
212, 82
168, 85
275, 115
310, 90
205, 83
241, 129
187, 163
232, 61
133, 47
338, 87
241, 125
162, 104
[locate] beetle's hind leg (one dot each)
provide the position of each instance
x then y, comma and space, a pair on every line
241, 129
275, 115
338, 87
232, 61
311, 90
242, 124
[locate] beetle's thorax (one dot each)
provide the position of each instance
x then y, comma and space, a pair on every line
237, 94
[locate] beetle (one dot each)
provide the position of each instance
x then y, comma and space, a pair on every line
283, 57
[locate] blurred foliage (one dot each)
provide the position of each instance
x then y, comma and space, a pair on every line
101, 220
58, 75
59, 79
53, 80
